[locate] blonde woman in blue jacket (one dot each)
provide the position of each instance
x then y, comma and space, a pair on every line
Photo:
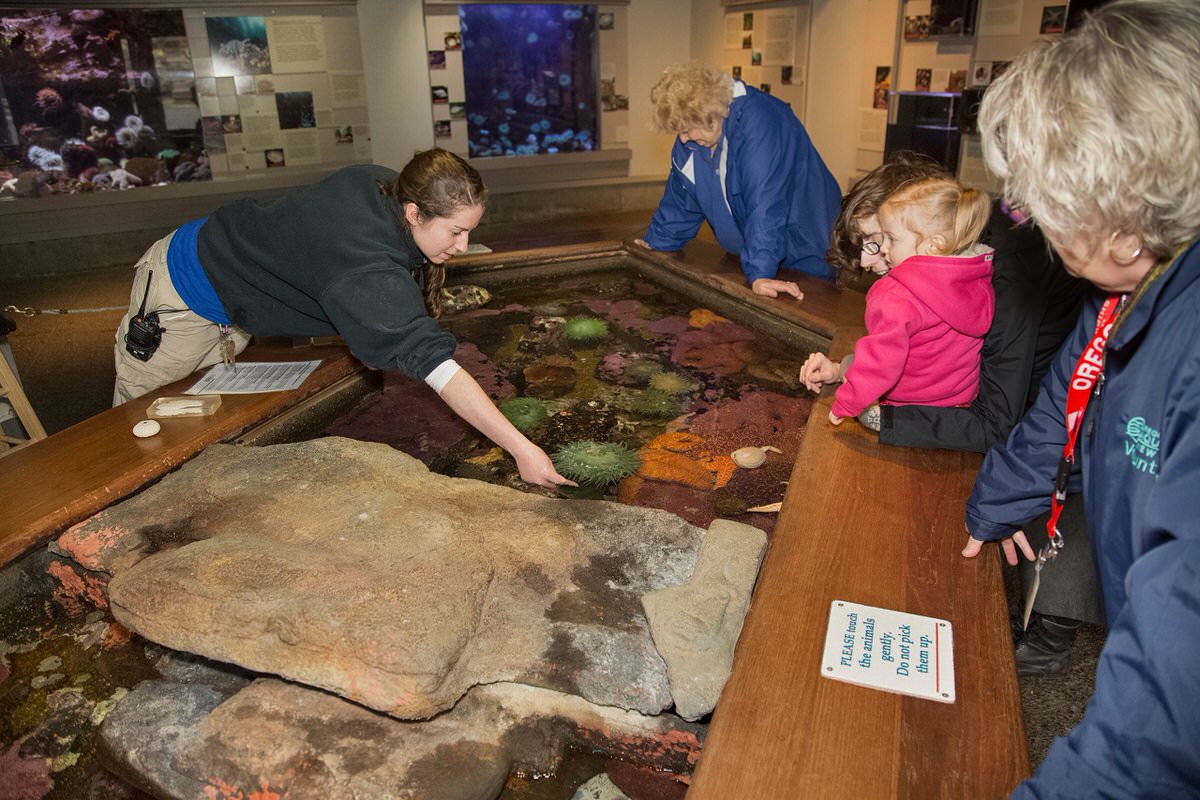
743, 162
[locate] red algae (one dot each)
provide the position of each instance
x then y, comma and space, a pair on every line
88, 546
75, 593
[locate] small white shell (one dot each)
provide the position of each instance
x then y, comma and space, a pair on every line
146, 428
749, 457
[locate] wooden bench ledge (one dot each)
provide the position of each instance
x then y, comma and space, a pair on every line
860, 522
58, 481
881, 526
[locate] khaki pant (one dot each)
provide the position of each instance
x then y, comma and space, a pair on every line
189, 342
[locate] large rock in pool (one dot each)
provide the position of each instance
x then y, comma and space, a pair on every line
351, 567
273, 739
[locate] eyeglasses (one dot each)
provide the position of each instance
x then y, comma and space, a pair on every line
870, 248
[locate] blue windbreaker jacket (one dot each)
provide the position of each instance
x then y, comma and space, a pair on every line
1140, 459
782, 199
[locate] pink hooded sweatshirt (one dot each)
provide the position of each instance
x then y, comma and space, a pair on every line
925, 325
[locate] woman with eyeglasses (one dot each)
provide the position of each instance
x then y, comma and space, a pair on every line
1037, 303
926, 318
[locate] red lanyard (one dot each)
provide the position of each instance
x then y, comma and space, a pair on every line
1088, 371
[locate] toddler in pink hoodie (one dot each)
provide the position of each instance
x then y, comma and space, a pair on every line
926, 318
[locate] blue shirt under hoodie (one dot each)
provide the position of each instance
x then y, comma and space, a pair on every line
765, 191
193, 286
330, 258
1139, 454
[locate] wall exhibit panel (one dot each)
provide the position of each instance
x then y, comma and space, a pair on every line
305, 112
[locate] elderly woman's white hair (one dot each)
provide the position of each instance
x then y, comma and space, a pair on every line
690, 95
1099, 132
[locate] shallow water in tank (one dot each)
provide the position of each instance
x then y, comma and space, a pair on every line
607, 356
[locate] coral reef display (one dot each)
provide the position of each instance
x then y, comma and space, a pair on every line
691, 421
596, 463
90, 90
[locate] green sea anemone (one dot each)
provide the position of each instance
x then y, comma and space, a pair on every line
596, 463
671, 383
642, 372
585, 328
656, 403
525, 413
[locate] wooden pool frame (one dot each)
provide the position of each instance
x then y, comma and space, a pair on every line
859, 522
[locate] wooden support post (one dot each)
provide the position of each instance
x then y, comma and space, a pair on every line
10, 389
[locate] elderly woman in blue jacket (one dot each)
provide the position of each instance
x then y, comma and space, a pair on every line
1097, 135
744, 163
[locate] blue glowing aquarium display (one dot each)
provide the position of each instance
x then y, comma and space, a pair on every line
531, 78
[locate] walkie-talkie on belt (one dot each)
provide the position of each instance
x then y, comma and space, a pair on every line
145, 334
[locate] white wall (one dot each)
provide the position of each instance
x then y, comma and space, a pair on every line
396, 69
839, 86
660, 33
848, 39
397, 77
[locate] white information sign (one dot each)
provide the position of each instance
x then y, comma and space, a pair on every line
251, 377
891, 650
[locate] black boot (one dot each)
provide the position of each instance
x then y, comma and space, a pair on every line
1045, 649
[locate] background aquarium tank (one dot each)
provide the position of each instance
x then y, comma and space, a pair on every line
531, 78
85, 91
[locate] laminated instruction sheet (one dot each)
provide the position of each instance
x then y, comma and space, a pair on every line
251, 377
890, 650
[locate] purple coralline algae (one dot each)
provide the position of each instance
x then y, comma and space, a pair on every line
486, 372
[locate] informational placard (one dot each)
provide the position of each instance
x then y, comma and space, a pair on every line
1000, 17
890, 650
297, 44
779, 39
252, 377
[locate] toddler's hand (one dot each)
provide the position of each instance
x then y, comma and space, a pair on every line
835, 419
817, 371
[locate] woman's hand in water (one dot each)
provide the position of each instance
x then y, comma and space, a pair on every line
537, 468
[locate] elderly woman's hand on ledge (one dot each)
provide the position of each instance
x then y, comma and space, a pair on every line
770, 287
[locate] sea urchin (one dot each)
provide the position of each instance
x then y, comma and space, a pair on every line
596, 463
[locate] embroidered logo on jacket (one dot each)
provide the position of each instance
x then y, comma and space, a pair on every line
1141, 445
